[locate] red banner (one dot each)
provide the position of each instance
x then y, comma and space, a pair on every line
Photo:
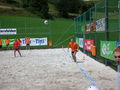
88, 44
91, 27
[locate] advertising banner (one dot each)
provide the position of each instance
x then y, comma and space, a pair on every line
88, 44
91, 27
118, 43
11, 42
77, 40
35, 41
106, 49
87, 26
81, 43
100, 25
8, 31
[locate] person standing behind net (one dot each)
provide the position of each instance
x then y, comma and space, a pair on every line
7, 42
0, 44
117, 58
74, 48
27, 41
16, 47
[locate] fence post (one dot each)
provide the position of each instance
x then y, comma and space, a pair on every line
106, 24
84, 18
106, 20
84, 42
119, 18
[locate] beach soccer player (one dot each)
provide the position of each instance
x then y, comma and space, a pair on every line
16, 47
74, 48
0, 44
7, 42
27, 41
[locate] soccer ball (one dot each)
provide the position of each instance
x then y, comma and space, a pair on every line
93, 88
46, 22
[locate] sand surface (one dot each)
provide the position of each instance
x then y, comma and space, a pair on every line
52, 69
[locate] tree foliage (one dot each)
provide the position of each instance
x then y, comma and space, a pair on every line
72, 6
25, 3
6, 1
63, 7
39, 7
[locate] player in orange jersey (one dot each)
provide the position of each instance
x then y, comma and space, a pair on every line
7, 42
74, 48
27, 41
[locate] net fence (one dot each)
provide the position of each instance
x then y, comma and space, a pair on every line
99, 26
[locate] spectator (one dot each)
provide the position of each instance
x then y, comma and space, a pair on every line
27, 41
7, 42
117, 58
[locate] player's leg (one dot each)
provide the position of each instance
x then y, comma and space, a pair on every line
29, 46
26, 46
19, 52
0, 47
74, 56
15, 53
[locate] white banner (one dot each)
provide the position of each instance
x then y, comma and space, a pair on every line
100, 25
8, 31
35, 41
81, 42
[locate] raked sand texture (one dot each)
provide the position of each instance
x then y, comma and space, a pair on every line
52, 69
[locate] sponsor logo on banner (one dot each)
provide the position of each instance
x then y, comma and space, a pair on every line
88, 44
100, 25
107, 48
35, 41
8, 31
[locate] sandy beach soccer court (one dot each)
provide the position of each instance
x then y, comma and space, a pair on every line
52, 69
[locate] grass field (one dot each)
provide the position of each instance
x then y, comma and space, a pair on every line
57, 30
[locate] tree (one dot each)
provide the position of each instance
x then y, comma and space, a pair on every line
6, 1
39, 7
25, 3
63, 7
74, 6
69, 6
